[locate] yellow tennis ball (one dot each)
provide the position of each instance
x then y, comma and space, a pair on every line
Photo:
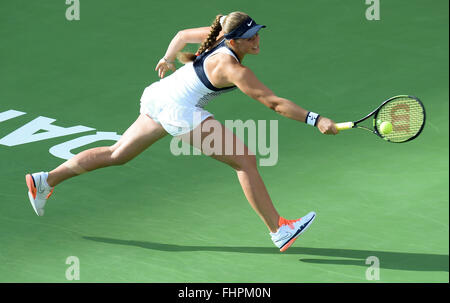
385, 127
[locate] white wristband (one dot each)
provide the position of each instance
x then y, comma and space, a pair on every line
312, 118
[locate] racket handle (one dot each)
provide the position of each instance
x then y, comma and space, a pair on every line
344, 125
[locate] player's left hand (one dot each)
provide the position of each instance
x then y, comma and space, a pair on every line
163, 66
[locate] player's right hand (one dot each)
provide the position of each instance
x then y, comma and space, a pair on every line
327, 126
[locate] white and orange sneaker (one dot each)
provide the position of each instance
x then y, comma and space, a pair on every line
38, 191
289, 230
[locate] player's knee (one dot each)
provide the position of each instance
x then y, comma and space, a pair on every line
245, 162
118, 160
117, 157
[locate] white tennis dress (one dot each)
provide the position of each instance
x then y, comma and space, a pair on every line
177, 101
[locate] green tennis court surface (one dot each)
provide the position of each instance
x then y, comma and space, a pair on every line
162, 218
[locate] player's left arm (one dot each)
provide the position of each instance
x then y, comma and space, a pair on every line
183, 37
178, 42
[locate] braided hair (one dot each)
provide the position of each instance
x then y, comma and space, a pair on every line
231, 22
216, 27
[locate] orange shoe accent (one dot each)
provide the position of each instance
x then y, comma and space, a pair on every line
30, 184
50, 193
288, 245
282, 221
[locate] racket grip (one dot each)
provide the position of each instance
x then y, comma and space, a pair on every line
344, 125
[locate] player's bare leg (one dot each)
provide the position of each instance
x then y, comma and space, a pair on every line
138, 137
245, 166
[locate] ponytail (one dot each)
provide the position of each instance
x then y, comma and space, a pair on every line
216, 27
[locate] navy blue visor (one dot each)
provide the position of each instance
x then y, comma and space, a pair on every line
245, 30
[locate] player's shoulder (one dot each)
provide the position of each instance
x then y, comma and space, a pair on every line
228, 62
228, 58
236, 72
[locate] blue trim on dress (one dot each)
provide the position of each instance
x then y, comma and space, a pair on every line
199, 70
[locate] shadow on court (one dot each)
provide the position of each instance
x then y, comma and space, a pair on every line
388, 260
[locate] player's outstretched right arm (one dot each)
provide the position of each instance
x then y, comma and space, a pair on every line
249, 84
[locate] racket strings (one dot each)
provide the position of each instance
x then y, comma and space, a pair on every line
406, 115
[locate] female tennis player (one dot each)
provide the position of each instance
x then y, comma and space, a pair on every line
170, 105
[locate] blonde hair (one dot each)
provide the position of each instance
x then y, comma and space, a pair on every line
230, 22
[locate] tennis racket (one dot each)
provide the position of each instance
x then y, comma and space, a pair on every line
405, 113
